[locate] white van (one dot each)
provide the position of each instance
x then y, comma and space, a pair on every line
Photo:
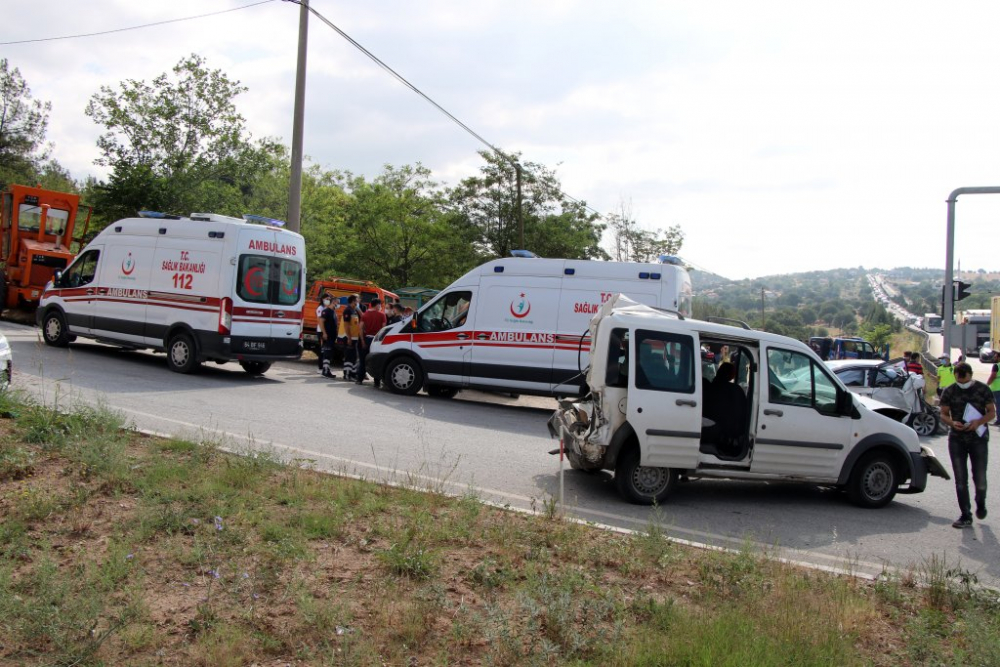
658, 410
208, 287
515, 325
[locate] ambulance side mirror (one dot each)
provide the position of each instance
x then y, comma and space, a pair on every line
57, 278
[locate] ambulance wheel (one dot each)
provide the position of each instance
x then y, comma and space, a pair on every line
403, 376
439, 391
642, 485
54, 329
873, 481
181, 356
255, 367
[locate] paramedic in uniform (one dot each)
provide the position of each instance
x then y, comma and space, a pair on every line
319, 330
328, 335
352, 331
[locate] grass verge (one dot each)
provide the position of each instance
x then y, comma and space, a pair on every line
121, 549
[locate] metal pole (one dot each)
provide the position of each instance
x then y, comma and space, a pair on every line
947, 292
298, 118
520, 214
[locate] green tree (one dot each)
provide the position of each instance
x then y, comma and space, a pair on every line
177, 144
398, 232
631, 243
554, 225
25, 157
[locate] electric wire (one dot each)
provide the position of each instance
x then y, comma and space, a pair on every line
135, 27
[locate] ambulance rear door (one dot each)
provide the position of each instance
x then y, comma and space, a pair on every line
268, 295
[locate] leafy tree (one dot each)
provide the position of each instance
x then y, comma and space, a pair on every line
554, 225
631, 243
397, 231
24, 155
177, 144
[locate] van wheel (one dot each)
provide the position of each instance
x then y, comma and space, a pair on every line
439, 391
403, 376
255, 367
642, 485
924, 423
873, 481
181, 354
54, 329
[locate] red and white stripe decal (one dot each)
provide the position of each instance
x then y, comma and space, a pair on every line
519, 340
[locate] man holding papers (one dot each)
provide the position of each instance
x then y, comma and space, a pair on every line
968, 407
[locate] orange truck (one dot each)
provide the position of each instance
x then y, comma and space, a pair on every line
339, 289
36, 232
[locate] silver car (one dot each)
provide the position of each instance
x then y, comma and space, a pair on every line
889, 383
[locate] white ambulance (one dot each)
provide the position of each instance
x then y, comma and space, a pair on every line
516, 325
205, 288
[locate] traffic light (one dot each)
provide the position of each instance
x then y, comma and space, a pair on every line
961, 290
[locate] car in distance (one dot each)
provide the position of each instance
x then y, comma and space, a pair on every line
987, 354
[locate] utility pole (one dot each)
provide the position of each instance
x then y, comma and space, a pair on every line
298, 117
520, 214
762, 308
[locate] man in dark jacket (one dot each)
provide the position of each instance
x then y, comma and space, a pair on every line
967, 407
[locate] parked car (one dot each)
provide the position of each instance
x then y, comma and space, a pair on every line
987, 354
6, 363
889, 383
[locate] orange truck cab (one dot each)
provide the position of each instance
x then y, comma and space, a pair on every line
36, 231
340, 289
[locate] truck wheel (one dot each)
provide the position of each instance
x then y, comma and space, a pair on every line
255, 367
924, 423
54, 329
873, 481
440, 391
181, 355
642, 485
403, 376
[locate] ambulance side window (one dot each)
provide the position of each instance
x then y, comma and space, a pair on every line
448, 312
83, 270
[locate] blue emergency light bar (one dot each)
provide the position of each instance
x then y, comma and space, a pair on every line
158, 215
261, 220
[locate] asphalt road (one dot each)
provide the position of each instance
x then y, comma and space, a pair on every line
496, 447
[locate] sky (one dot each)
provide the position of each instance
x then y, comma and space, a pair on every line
780, 136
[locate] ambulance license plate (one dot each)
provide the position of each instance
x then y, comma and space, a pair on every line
251, 345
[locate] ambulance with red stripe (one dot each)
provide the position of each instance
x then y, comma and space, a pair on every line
518, 325
205, 288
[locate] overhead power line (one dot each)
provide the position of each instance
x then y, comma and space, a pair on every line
135, 27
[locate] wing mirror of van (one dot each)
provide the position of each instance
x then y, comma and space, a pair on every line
845, 402
57, 278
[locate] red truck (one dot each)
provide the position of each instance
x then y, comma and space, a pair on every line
339, 289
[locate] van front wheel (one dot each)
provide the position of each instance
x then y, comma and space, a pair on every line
403, 376
873, 481
642, 485
181, 355
54, 329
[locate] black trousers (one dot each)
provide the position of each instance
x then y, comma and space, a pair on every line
962, 451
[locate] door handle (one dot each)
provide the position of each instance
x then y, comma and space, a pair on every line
280, 313
462, 336
687, 401
90, 291
775, 413
482, 336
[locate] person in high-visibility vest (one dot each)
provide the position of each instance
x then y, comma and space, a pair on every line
945, 375
994, 384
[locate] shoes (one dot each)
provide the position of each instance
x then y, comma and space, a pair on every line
981, 512
376, 383
962, 522
327, 374
359, 382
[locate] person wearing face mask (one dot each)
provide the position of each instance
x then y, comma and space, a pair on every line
965, 445
327, 335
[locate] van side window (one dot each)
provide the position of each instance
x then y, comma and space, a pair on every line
665, 361
795, 379
83, 271
448, 312
617, 370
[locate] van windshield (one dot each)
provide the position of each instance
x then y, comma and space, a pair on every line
267, 279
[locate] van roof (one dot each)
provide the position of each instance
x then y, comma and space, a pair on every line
581, 268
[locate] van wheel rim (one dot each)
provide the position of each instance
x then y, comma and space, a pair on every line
402, 377
650, 481
877, 481
180, 353
53, 328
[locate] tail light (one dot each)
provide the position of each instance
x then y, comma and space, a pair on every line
226, 316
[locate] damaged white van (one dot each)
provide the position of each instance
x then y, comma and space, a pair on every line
772, 410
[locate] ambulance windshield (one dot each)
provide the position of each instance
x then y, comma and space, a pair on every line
268, 279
